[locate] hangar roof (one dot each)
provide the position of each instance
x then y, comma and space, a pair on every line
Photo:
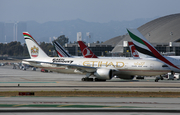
159, 31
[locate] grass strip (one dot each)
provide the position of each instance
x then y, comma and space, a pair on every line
94, 94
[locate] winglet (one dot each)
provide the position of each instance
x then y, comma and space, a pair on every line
87, 53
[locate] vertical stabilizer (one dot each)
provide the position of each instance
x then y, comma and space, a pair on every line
145, 47
134, 52
34, 49
60, 50
87, 53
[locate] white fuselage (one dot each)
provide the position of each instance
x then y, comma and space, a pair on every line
141, 67
175, 60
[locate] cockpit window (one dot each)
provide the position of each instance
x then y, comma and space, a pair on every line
164, 66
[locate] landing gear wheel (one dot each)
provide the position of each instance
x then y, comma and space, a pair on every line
96, 79
83, 79
161, 77
156, 80
86, 79
90, 79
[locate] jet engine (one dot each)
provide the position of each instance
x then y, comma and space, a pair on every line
104, 74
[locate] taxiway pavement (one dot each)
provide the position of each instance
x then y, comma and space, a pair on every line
19, 80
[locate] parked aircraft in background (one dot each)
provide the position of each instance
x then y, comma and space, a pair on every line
143, 46
135, 54
133, 50
87, 53
60, 50
101, 69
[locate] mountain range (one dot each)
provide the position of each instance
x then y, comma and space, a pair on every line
98, 31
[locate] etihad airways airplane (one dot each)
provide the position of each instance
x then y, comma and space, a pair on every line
87, 53
143, 46
101, 69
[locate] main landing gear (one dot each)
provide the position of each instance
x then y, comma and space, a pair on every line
91, 79
86, 79
159, 78
169, 76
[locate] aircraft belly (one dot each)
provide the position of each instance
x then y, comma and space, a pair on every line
69, 71
141, 72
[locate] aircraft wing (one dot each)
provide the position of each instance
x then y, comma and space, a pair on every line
78, 67
68, 66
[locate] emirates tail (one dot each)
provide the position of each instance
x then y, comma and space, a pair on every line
87, 53
145, 47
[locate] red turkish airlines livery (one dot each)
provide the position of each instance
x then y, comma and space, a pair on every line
87, 53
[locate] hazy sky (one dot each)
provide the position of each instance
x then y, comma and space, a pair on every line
88, 10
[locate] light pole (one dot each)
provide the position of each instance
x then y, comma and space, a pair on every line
171, 34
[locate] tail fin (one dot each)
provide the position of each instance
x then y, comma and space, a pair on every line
87, 53
34, 49
134, 52
60, 50
143, 46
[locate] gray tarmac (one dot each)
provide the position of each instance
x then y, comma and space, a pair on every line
19, 80
37, 81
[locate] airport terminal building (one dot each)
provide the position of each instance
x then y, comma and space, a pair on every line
97, 48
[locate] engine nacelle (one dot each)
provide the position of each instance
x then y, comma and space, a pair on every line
104, 74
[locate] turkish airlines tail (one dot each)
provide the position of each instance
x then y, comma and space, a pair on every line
34, 49
133, 50
87, 53
60, 50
